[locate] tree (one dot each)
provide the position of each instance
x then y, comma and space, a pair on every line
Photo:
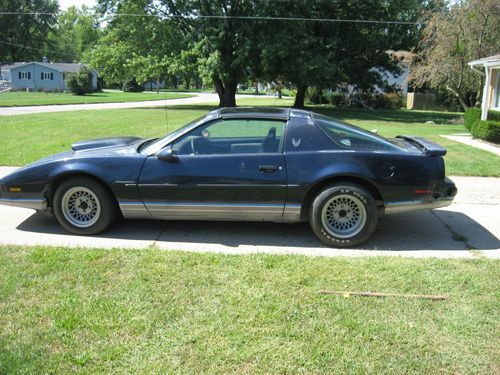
326, 54
25, 35
80, 83
77, 31
462, 32
226, 46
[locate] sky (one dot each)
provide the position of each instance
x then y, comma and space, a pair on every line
65, 4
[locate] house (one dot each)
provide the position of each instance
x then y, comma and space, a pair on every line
41, 75
491, 90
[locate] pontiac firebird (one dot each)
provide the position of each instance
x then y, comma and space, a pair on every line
249, 164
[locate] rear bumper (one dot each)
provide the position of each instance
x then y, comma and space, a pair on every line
444, 193
34, 204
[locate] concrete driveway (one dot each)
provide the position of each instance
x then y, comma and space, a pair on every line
198, 98
469, 228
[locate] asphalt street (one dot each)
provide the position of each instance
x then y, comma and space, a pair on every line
469, 228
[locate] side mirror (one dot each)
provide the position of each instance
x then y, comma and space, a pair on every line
166, 154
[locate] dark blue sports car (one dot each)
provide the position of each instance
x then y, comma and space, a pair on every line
264, 164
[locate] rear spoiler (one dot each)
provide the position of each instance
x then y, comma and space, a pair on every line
428, 147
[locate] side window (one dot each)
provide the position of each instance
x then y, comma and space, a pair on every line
351, 137
234, 136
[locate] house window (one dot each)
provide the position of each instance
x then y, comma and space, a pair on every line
47, 76
25, 75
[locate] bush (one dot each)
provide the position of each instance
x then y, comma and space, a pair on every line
132, 86
338, 99
385, 101
471, 115
494, 115
488, 130
79, 83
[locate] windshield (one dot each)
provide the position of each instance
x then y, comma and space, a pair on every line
159, 143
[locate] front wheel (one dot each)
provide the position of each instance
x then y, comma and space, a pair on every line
343, 215
83, 206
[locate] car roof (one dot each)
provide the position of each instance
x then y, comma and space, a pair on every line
270, 113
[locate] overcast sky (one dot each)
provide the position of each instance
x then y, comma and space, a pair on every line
65, 4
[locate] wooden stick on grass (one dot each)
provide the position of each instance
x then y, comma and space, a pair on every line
373, 294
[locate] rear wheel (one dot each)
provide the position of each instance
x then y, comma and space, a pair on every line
343, 215
83, 206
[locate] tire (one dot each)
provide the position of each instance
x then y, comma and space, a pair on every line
83, 206
343, 215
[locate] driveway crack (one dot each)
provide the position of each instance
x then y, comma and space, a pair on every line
163, 230
459, 237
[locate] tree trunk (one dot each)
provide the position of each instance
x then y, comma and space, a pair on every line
226, 91
300, 97
256, 87
459, 98
280, 95
158, 86
188, 83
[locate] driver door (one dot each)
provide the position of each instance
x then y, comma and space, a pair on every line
231, 169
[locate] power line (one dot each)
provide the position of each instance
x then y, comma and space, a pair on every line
37, 49
200, 16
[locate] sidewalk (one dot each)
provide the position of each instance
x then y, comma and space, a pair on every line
468, 140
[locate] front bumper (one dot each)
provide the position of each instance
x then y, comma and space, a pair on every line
443, 195
34, 204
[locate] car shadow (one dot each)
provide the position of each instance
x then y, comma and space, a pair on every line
415, 231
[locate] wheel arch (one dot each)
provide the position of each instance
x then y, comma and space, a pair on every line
61, 178
323, 183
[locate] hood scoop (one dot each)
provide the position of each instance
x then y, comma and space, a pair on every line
93, 144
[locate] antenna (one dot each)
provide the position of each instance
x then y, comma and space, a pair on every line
166, 108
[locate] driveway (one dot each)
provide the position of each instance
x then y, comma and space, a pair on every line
469, 228
198, 98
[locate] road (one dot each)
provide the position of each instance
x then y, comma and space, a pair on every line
469, 228
198, 98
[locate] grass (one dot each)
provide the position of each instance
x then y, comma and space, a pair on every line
14, 99
151, 311
26, 138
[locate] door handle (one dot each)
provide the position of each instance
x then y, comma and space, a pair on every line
268, 168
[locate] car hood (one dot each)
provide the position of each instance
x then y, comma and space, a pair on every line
93, 144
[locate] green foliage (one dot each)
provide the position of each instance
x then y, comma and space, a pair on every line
459, 33
494, 115
27, 33
385, 101
488, 130
132, 86
76, 33
79, 83
471, 115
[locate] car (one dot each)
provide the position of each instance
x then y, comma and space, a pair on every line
247, 164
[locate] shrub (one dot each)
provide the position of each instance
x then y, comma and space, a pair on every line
471, 115
132, 86
79, 83
488, 130
338, 99
385, 101
494, 115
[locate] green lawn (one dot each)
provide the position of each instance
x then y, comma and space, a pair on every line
26, 138
13, 99
152, 311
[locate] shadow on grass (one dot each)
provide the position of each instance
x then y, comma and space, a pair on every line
416, 231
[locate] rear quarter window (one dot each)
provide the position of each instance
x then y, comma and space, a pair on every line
350, 137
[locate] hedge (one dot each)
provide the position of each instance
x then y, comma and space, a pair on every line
488, 130
471, 115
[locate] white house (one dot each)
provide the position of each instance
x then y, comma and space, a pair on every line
41, 75
491, 90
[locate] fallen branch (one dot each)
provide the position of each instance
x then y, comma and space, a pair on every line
372, 294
